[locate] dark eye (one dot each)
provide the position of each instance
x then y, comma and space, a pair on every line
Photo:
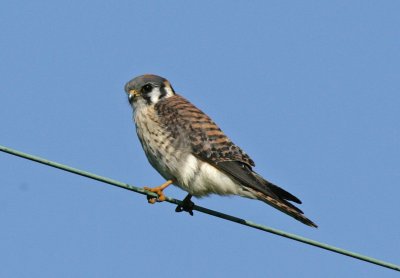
147, 88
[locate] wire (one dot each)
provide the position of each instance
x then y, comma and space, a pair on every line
203, 209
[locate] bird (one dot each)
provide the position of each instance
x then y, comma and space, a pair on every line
190, 151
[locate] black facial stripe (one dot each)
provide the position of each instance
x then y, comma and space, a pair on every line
163, 92
147, 98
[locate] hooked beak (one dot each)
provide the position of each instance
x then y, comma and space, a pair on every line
133, 94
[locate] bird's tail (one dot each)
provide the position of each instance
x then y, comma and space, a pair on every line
287, 208
279, 198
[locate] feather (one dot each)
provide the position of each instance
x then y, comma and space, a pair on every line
194, 130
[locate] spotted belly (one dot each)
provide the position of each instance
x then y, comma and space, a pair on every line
175, 161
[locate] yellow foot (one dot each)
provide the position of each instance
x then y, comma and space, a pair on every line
159, 191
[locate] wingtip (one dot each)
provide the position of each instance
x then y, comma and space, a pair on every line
300, 217
312, 224
287, 208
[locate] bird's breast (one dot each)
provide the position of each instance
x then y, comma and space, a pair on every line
173, 159
157, 142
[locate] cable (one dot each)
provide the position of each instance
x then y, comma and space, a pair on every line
203, 210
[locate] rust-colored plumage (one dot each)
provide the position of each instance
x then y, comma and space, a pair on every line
207, 140
188, 148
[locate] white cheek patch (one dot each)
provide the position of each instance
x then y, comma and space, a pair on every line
170, 93
155, 95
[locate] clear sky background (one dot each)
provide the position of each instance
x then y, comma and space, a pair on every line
310, 90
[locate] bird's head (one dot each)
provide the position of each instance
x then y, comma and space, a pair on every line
148, 89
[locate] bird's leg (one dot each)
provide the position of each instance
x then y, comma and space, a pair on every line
159, 191
187, 205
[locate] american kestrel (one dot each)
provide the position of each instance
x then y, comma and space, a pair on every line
190, 151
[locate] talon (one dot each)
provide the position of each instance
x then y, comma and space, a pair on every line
151, 199
159, 191
186, 205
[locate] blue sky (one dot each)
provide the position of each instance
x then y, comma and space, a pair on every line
310, 90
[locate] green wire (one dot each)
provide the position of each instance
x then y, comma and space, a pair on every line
203, 210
